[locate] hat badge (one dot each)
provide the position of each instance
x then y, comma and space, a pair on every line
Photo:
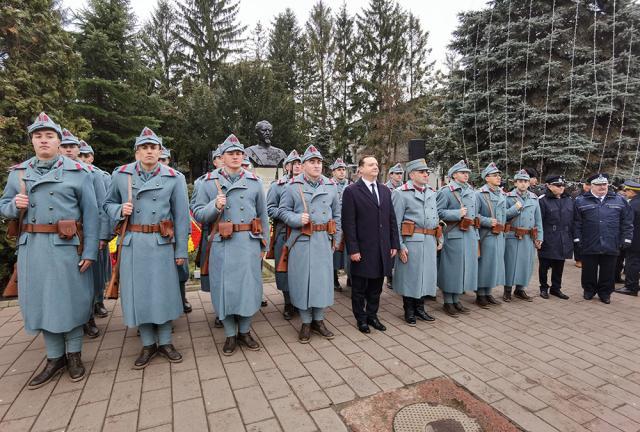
313, 149
233, 139
43, 117
66, 133
147, 132
294, 153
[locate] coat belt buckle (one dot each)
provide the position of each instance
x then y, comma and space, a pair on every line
146, 229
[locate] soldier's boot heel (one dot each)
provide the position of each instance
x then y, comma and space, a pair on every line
506, 297
409, 311
481, 300
492, 301
90, 329
100, 311
289, 311
52, 369
75, 367
169, 352
248, 341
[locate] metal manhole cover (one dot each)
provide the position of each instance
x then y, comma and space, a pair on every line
423, 417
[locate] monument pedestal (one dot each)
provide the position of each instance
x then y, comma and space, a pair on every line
268, 175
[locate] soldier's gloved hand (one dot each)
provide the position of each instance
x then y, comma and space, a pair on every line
127, 209
305, 218
22, 201
221, 201
463, 212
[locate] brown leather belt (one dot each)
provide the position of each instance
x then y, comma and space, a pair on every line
241, 227
523, 231
144, 228
426, 231
319, 227
40, 228
497, 229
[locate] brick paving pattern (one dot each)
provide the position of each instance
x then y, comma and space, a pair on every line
549, 365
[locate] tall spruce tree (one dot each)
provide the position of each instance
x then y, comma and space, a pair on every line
210, 33
417, 64
161, 49
284, 48
259, 43
538, 87
114, 87
38, 69
343, 79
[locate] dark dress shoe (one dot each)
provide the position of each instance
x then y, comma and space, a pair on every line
522, 295
170, 353
91, 329
230, 345
264, 303
605, 300
289, 311
627, 291
492, 301
544, 294
100, 311
619, 280
217, 323
247, 340
305, 333
460, 308
559, 294
482, 302
186, 307
376, 324
148, 352
450, 309
319, 328
52, 369
363, 327
409, 306
75, 366
587, 295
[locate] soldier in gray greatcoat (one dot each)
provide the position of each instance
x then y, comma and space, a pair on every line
523, 237
70, 147
183, 270
310, 206
154, 198
395, 176
55, 198
340, 261
458, 266
292, 167
231, 199
102, 268
416, 263
492, 214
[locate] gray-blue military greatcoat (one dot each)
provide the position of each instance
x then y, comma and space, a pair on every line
458, 266
235, 265
204, 235
492, 204
53, 294
274, 195
101, 269
418, 276
520, 254
311, 258
339, 257
148, 275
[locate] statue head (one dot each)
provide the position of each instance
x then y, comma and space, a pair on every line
264, 132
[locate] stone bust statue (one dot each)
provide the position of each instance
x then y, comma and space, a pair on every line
264, 154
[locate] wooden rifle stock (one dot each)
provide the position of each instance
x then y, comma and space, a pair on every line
113, 290
11, 290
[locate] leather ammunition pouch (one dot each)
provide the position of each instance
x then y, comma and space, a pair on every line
307, 229
497, 229
256, 226
166, 229
407, 228
283, 263
225, 229
332, 228
466, 223
67, 229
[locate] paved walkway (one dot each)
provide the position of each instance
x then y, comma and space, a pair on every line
548, 365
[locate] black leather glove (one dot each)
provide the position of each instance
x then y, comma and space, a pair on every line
625, 245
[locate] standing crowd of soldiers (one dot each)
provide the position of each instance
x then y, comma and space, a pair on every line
458, 238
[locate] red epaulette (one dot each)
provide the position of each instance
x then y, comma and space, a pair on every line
122, 168
78, 166
172, 172
405, 187
90, 168
451, 188
332, 181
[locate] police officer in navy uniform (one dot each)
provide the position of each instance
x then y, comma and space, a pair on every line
603, 225
632, 254
556, 209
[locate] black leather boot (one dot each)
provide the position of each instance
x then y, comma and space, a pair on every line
481, 300
319, 328
409, 310
420, 312
247, 340
506, 297
75, 366
52, 369
100, 311
169, 352
230, 345
289, 311
91, 330
186, 306
148, 352
522, 294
